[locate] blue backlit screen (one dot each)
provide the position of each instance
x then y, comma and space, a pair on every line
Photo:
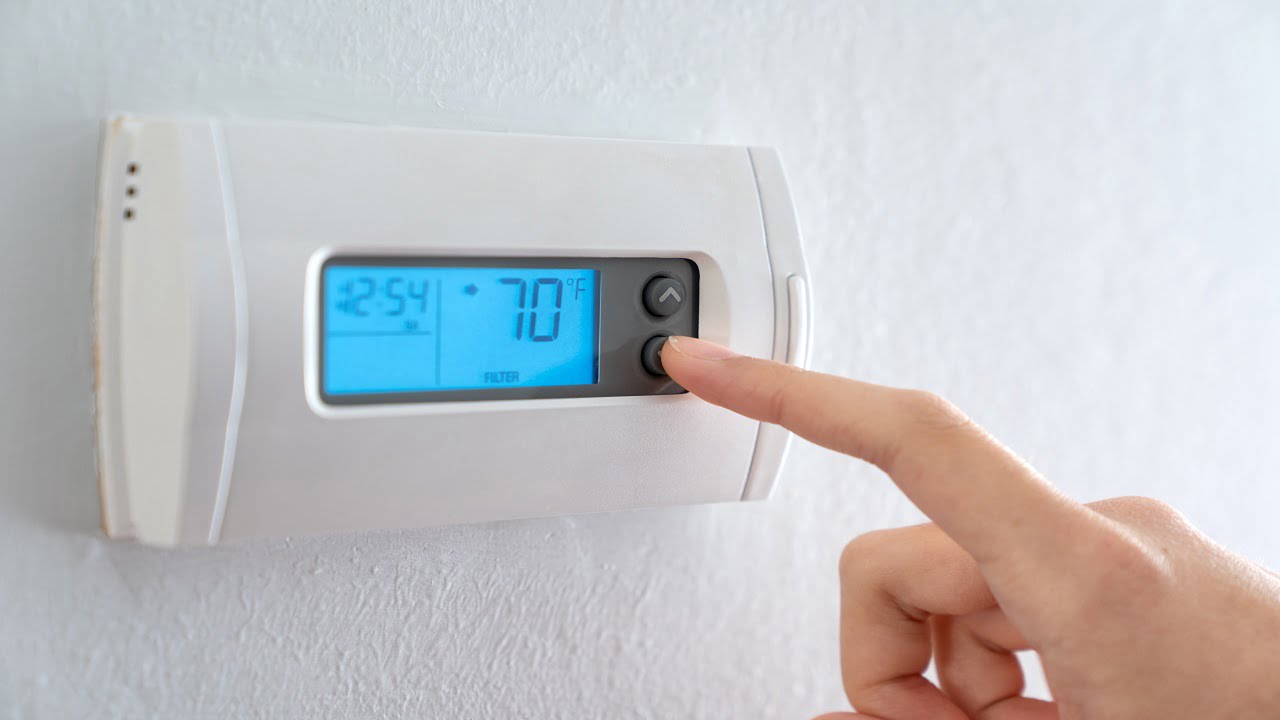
409, 329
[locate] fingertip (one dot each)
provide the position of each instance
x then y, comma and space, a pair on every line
696, 348
698, 365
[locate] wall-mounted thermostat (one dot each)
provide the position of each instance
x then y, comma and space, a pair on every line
307, 329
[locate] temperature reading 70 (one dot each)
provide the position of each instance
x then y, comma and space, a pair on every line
546, 298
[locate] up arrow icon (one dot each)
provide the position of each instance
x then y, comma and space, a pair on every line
663, 296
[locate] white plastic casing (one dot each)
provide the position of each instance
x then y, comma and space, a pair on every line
210, 236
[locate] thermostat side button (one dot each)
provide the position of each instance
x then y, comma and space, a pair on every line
798, 316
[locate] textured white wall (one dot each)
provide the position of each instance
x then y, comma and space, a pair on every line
1062, 215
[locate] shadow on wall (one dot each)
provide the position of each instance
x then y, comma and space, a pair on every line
47, 467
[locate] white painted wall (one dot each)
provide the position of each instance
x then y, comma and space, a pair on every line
1062, 215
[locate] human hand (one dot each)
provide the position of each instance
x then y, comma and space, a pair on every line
1134, 613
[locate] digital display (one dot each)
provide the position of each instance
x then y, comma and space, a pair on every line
398, 328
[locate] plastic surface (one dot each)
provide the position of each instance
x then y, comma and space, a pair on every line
799, 323
167, 345
791, 309
257, 206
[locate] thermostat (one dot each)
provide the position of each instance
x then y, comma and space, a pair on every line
318, 328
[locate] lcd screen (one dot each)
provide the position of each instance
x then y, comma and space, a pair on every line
403, 328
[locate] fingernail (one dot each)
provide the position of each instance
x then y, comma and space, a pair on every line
700, 349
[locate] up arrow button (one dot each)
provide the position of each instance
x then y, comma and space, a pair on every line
664, 296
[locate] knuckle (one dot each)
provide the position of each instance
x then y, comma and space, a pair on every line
778, 402
862, 556
781, 403
1111, 572
932, 411
1128, 567
1147, 514
757, 385
1151, 508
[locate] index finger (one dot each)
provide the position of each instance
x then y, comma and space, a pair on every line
975, 489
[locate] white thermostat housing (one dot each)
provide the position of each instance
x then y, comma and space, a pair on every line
319, 328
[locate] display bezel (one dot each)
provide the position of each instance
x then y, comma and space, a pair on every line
622, 326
